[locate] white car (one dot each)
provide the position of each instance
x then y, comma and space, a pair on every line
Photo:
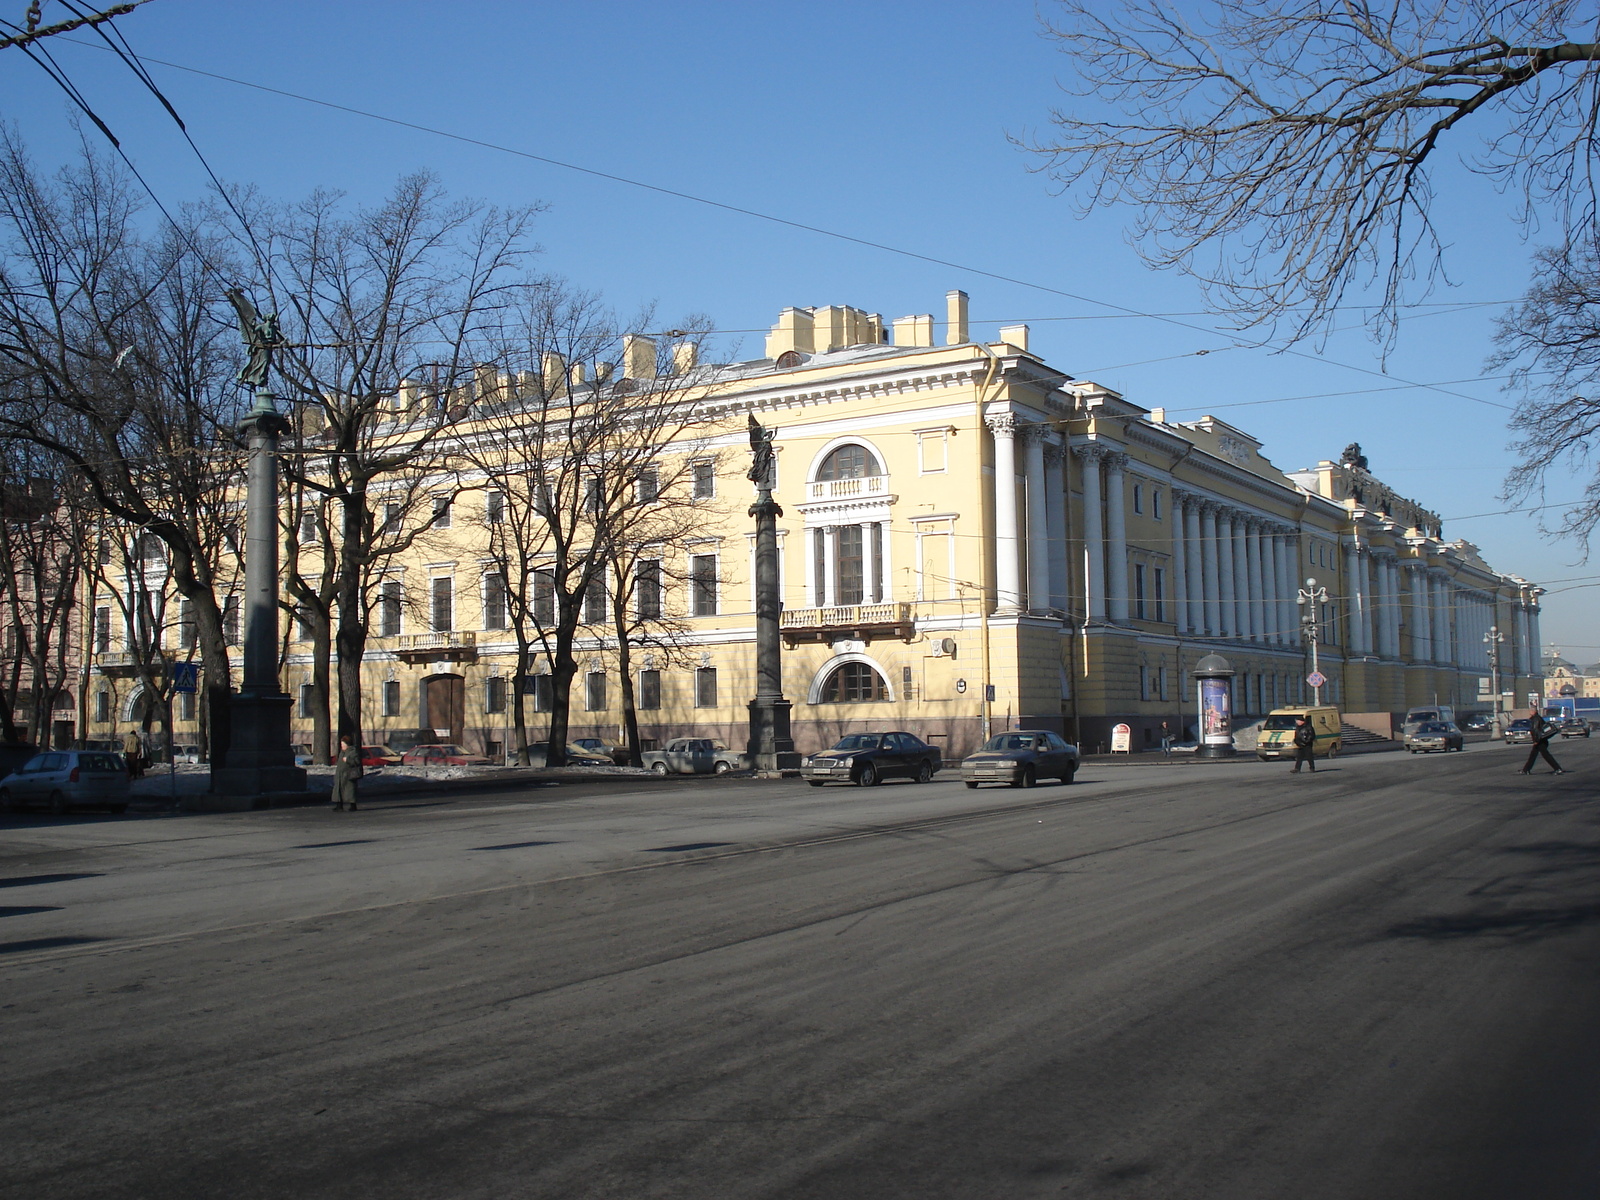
67, 779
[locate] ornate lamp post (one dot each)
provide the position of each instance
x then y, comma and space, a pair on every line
1310, 596
1492, 641
771, 748
259, 758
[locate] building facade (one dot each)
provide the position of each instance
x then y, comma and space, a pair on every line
973, 540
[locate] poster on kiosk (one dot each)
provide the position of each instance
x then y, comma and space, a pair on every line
1216, 717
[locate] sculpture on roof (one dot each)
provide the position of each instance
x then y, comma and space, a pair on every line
261, 336
1352, 456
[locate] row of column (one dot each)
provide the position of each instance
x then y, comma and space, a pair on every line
1236, 573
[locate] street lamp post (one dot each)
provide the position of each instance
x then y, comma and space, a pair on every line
1491, 641
1310, 596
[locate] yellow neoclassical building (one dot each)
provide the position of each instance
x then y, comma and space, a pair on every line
972, 540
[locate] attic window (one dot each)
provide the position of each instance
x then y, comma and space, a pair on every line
790, 359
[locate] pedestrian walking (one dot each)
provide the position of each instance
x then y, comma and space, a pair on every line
1540, 731
1166, 739
346, 771
1305, 745
133, 752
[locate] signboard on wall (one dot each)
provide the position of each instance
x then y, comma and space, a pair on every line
1216, 714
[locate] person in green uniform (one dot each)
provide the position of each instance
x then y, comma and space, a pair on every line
345, 773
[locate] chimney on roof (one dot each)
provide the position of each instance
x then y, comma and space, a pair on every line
795, 330
638, 357
955, 308
1015, 335
684, 357
554, 369
914, 331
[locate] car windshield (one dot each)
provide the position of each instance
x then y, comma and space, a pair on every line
1424, 716
1431, 727
99, 762
858, 741
1012, 741
1280, 721
1522, 724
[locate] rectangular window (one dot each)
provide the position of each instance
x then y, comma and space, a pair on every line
1161, 681
1144, 682
1161, 593
1138, 498
308, 529
188, 631
647, 588
441, 512
648, 486
230, 621
389, 610
102, 630
102, 707
596, 609
1155, 503
848, 564
594, 691
593, 494
705, 480
703, 584
649, 689
543, 690
494, 508
494, 601
544, 598
391, 697
444, 609
494, 694
819, 554
1138, 591
391, 518
307, 702
705, 687
303, 629
186, 706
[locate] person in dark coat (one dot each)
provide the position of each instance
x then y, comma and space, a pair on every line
1305, 744
346, 770
1541, 731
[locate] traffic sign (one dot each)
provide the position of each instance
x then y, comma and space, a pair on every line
1316, 679
185, 678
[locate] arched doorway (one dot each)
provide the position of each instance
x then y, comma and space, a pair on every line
444, 705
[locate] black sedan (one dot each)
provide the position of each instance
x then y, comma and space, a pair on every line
1020, 758
1574, 727
1518, 731
868, 758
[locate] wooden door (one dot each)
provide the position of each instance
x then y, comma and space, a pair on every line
447, 704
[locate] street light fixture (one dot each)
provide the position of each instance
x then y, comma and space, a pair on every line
1492, 641
1309, 598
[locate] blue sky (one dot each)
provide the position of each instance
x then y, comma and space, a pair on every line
884, 121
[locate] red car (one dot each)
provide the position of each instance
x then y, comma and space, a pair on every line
443, 754
379, 756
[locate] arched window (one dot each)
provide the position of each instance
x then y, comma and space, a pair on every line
849, 461
853, 683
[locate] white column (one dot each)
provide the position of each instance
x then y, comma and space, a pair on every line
1443, 647
885, 565
1180, 561
1421, 616
1196, 565
1276, 587
1116, 540
1007, 575
1391, 608
830, 568
1209, 567
1241, 577
1093, 529
1356, 600
1038, 522
1258, 624
1535, 647
1518, 638
1055, 512
1227, 606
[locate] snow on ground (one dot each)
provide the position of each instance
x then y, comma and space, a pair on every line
192, 780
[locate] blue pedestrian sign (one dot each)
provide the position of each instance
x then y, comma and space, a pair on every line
185, 678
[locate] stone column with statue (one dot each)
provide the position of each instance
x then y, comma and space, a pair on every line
771, 748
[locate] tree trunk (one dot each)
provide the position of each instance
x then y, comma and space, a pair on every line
321, 698
630, 714
350, 639
519, 713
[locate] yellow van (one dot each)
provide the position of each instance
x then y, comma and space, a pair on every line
1277, 731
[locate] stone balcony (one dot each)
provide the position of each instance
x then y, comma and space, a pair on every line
458, 645
864, 488
126, 662
862, 622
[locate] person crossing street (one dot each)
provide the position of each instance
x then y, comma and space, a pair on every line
1540, 732
1305, 745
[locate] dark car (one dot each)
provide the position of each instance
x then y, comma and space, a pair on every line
443, 754
1519, 731
868, 758
617, 754
1434, 735
1020, 758
1477, 722
577, 756
1575, 727
67, 779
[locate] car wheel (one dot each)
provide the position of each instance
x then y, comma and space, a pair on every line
867, 775
925, 772
1071, 773
58, 804
971, 785
1029, 777
8, 802
658, 768
1333, 750
814, 782
721, 768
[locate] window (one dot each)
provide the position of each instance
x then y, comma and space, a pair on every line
649, 689
849, 462
544, 599
441, 512
307, 702
186, 706
391, 518
595, 606
647, 588
494, 694
494, 601
1138, 497
1138, 594
104, 556
303, 622
1161, 682
543, 690
1144, 682
703, 584
594, 691
705, 687
391, 697
308, 529
494, 508
1161, 593
593, 494
1155, 503
648, 486
230, 621
853, 683
847, 549
819, 546
102, 630
102, 707
389, 610
444, 615
705, 480
188, 631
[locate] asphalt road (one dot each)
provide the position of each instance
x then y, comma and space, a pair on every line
1200, 981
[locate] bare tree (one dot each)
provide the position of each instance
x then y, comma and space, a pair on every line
1281, 152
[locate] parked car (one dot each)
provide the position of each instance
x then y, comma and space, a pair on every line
1575, 727
867, 758
302, 754
616, 754
1434, 735
379, 756
1020, 758
186, 754
67, 779
577, 756
693, 756
1518, 731
443, 754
